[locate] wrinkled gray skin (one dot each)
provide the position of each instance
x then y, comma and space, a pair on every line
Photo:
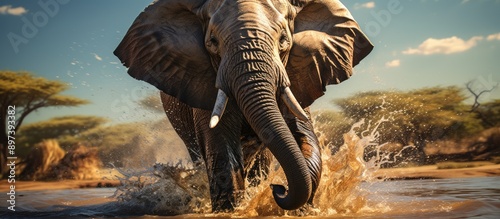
251, 51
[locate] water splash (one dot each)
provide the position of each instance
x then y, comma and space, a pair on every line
339, 191
343, 172
178, 189
165, 189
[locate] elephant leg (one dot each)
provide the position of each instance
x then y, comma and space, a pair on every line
304, 134
260, 167
181, 118
257, 159
223, 157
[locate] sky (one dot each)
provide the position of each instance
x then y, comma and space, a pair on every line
419, 43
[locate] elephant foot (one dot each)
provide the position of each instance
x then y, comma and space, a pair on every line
259, 171
226, 201
226, 188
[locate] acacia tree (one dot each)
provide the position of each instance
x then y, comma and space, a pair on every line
27, 93
489, 113
64, 129
414, 117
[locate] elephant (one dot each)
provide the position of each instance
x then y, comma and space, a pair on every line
237, 78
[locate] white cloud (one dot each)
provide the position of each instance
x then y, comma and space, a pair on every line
364, 5
492, 37
444, 46
394, 63
8, 9
97, 57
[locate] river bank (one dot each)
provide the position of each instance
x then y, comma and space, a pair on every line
433, 172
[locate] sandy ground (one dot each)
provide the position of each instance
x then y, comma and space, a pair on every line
422, 172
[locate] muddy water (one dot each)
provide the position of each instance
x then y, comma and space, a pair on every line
443, 198
347, 190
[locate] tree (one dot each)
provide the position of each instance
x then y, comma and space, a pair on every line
414, 117
478, 93
124, 144
24, 93
65, 129
489, 113
135, 144
115, 142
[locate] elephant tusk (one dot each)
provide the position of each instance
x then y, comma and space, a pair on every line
219, 107
293, 105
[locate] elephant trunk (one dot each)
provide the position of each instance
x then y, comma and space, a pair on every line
254, 89
261, 111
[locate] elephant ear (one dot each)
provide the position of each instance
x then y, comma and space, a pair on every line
327, 44
165, 47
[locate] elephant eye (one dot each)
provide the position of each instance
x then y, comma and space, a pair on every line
212, 44
214, 41
283, 41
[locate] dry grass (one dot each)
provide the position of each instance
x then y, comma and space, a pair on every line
41, 159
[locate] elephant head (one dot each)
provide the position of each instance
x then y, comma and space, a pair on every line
261, 53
